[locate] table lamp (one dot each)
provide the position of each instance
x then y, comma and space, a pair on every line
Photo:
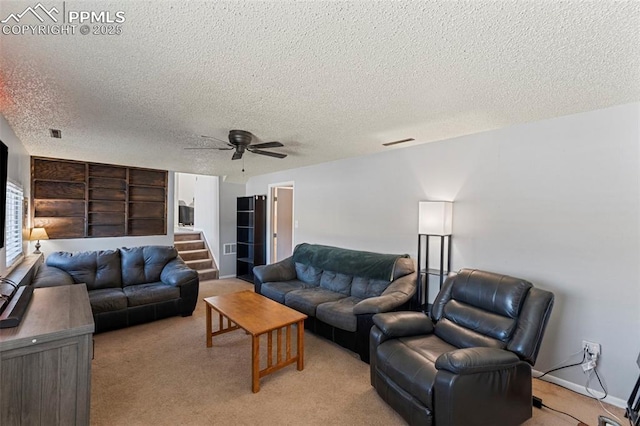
38, 234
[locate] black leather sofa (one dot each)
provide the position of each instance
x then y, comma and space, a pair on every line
339, 289
469, 363
126, 286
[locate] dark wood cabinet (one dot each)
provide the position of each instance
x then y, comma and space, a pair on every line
73, 199
251, 235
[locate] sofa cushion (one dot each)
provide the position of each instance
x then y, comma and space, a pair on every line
335, 281
144, 294
306, 300
364, 288
141, 265
404, 363
97, 269
107, 300
339, 313
276, 290
308, 273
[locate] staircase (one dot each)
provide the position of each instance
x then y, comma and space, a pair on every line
193, 250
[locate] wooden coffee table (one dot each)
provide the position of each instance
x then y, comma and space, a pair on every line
258, 315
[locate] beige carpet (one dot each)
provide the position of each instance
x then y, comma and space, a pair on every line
161, 373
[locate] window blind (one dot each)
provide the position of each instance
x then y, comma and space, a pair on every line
13, 224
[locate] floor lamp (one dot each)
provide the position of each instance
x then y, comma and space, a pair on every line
435, 220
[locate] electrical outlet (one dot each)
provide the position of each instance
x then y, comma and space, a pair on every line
592, 349
589, 365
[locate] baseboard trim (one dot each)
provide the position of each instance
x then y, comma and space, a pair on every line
226, 276
581, 390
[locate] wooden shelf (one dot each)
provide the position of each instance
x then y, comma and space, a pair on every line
74, 199
146, 186
60, 170
58, 180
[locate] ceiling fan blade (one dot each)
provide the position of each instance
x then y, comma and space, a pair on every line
267, 145
236, 155
267, 153
214, 138
200, 147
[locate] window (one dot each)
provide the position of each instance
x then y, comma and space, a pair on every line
13, 227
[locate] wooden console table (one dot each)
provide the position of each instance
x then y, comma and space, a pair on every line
45, 362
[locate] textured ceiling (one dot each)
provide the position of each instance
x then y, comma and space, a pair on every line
328, 79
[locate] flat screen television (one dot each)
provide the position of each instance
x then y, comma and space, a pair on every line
4, 154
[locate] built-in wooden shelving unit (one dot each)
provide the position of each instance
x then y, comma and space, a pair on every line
73, 199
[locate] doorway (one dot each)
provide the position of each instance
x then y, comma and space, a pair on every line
281, 222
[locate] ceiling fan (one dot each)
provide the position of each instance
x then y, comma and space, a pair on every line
240, 140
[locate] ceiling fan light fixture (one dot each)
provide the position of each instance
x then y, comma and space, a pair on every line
397, 142
240, 141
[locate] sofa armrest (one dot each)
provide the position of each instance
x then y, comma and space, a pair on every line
476, 360
177, 273
402, 324
397, 294
284, 270
50, 276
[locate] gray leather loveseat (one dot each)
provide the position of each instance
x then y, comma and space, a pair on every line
126, 286
340, 290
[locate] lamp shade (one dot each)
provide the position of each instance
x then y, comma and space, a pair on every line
435, 217
38, 234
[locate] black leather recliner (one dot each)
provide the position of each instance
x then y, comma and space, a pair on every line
469, 363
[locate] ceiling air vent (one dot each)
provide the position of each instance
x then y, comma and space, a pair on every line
397, 142
56, 133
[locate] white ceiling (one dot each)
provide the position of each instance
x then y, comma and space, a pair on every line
328, 79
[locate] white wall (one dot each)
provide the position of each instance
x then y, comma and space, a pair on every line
18, 171
205, 212
186, 187
556, 202
229, 193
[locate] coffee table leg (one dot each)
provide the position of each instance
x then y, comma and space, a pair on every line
209, 325
255, 363
300, 345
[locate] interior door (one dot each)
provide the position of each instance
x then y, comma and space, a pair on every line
281, 222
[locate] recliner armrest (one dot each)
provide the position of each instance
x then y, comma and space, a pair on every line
476, 360
403, 324
177, 273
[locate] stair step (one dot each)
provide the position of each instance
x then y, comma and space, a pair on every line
208, 274
199, 264
189, 245
186, 236
201, 254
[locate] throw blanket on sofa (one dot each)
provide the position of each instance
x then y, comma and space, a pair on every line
365, 264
